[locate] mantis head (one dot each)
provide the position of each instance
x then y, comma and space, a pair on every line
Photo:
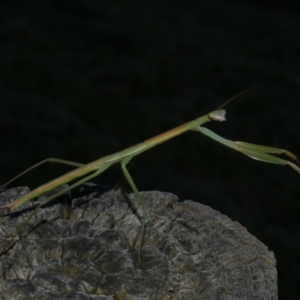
217, 115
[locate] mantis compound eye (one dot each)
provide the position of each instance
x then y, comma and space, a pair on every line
217, 115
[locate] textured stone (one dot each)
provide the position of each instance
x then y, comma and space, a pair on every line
190, 251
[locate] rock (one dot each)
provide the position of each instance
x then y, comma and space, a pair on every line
190, 251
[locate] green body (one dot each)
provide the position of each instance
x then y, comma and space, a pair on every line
95, 168
100, 165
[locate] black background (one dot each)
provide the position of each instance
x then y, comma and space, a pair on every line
84, 79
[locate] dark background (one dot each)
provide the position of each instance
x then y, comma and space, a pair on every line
84, 79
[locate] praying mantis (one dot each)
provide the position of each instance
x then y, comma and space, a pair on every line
93, 169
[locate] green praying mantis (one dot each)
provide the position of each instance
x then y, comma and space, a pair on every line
93, 169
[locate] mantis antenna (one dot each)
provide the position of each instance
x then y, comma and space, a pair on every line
241, 93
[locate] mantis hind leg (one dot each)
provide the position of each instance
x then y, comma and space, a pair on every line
141, 200
65, 190
55, 160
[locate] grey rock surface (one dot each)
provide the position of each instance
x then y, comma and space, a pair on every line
190, 251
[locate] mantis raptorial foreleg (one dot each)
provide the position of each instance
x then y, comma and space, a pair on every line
254, 151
